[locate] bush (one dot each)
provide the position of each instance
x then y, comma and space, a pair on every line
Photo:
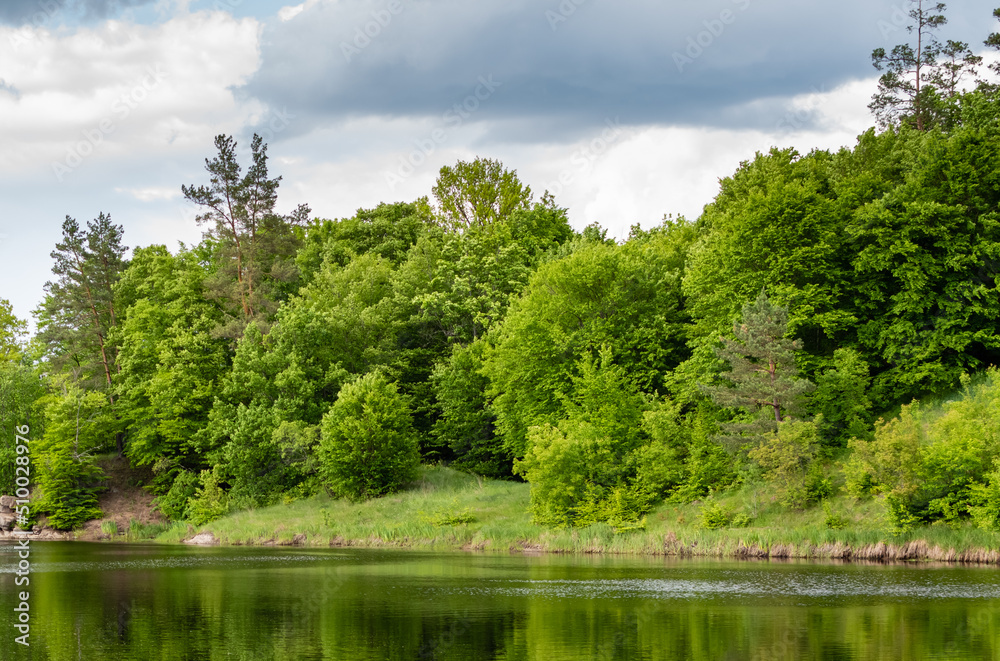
984, 501
714, 516
787, 458
174, 504
368, 447
210, 501
933, 462
835, 521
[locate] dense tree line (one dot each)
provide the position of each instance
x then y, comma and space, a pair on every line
283, 355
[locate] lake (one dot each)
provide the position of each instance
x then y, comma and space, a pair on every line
100, 602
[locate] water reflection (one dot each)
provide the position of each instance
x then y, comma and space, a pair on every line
102, 601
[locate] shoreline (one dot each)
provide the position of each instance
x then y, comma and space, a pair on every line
449, 511
917, 551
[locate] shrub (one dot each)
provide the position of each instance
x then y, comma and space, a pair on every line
64, 482
835, 521
932, 461
559, 467
740, 520
714, 516
210, 501
984, 501
368, 446
174, 503
787, 458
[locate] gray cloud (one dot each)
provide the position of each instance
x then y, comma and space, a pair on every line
566, 65
39, 12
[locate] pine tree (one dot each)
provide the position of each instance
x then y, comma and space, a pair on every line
79, 307
905, 89
255, 247
993, 41
764, 377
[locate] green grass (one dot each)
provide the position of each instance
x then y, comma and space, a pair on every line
448, 510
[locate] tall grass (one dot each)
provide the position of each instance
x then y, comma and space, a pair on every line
448, 510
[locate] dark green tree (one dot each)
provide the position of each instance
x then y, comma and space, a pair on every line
921, 80
466, 424
763, 375
841, 397
79, 307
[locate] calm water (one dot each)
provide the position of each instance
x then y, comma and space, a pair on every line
100, 602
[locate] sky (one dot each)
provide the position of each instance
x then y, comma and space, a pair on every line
626, 110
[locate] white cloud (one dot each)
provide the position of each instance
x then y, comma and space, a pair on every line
288, 13
118, 89
151, 193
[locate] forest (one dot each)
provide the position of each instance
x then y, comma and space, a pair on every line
787, 336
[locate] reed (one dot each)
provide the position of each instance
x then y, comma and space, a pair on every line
447, 510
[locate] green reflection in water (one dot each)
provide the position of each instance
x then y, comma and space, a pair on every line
105, 601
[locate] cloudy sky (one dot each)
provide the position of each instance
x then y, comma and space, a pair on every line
625, 109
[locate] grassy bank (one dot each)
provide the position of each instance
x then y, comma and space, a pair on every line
449, 510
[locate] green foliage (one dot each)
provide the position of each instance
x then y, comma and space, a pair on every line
169, 363
622, 508
660, 463
209, 502
834, 520
585, 467
12, 330
926, 265
20, 389
367, 448
452, 517
478, 194
252, 248
763, 374
932, 461
917, 81
387, 231
174, 503
624, 297
714, 516
774, 224
984, 500
78, 424
841, 398
466, 424
79, 307
787, 457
